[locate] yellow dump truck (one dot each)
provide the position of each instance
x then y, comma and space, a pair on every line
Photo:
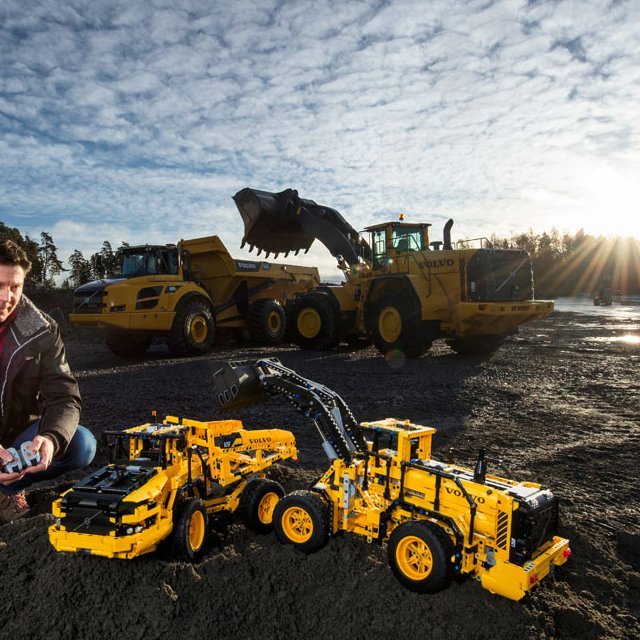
189, 293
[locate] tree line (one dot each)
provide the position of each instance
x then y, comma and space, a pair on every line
46, 265
563, 264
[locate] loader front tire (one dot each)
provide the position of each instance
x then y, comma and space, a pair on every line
257, 503
313, 322
420, 557
190, 530
267, 322
301, 518
128, 344
396, 325
193, 329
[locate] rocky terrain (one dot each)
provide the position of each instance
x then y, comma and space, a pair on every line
559, 404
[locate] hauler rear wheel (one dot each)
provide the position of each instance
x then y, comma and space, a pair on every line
257, 504
301, 518
266, 321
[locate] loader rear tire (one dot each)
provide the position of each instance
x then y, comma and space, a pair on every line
190, 530
420, 557
128, 344
301, 518
476, 345
313, 322
257, 503
267, 322
396, 325
193, 329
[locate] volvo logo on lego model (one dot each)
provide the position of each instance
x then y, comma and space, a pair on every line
459, 494
445, 262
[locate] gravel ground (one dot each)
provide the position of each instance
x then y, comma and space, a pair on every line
559, 404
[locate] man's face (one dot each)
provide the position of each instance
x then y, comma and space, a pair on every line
11, 283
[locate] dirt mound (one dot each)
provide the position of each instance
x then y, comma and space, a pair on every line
558, 406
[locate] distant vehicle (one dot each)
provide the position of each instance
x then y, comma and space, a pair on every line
189, 293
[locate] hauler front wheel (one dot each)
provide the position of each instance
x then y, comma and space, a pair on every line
128, 344
190, 530
301, 518
193, 329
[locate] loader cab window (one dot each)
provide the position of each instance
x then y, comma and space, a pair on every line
379, 244
407, 239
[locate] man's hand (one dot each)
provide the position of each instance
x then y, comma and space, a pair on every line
6, 458
44, 446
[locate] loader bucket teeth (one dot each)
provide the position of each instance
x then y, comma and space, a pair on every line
270, 220
237, 385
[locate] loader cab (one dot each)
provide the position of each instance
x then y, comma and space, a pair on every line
392, 238
148, 260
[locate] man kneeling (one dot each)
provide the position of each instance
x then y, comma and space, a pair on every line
39, 398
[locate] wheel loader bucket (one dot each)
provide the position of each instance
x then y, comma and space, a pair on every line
271, 221
237, 385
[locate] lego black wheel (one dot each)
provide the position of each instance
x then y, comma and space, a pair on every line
420, 557
301, 519
313, 321
190, 530
267, 322
257, 503
193, 329
128, 344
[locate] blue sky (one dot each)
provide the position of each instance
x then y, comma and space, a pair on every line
138, 120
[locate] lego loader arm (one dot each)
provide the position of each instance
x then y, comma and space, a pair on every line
245, 382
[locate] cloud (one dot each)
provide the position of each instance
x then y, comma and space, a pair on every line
145, 117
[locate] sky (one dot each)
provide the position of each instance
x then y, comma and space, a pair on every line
138, 120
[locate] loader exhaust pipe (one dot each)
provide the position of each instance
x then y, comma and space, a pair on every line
446, 235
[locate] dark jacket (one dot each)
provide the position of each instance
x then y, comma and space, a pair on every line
35, 380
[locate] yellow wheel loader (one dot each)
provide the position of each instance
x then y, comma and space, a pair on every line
164, 481
439, 520
401, 290
190, 294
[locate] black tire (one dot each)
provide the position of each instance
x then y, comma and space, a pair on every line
395, 325
420, 557
257, 504
193, 329
313, 321
190, 530
267, 323
128, 344
476, 345
301, 518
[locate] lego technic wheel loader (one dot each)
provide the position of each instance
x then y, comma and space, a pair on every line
164, 481
401, 290
439, 520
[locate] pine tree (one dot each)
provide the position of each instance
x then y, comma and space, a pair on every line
51, 264
80, 271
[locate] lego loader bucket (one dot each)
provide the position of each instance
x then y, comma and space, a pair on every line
237, 385
271, 221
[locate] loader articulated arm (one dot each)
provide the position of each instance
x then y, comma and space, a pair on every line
284, 222
246, 382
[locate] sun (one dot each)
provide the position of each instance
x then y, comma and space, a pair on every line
611, 203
